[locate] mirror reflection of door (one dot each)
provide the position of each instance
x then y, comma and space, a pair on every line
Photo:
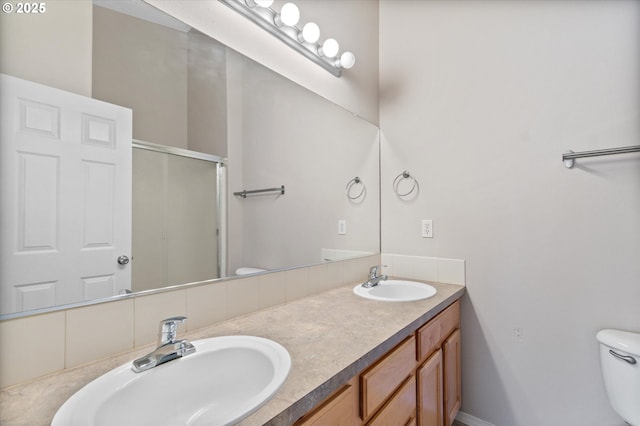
66, 179
175, 220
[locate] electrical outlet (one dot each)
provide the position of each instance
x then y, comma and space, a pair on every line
427, 228
517, 333
342, 227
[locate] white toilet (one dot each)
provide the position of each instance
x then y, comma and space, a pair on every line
620, 362
246, 270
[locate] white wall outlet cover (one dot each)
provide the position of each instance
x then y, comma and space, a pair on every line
427, 228
342, 227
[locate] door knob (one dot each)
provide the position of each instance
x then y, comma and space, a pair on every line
123, 260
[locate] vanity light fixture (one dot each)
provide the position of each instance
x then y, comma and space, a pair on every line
289, 15
305, 41
310, 33
261, 3
329, 48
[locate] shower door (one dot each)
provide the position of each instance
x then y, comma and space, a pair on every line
175, 220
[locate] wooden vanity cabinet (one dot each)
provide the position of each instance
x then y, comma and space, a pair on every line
452, 376
401, 407
379, 382
415, 383
439, 375
431, 335
431, 391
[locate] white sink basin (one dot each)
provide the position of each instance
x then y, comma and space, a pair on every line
396, 291
225, 380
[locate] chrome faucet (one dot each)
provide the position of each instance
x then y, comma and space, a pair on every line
168, 347
374, 278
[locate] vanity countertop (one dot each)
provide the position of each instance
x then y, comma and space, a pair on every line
331, 337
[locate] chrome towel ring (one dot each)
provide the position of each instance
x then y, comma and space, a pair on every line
402, 176
353, 182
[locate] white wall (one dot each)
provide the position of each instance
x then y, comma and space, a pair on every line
292, 137
132, 60
207, 95
174, 80
478, 99
353, 23
51, 48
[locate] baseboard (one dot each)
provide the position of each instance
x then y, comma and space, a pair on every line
470, 420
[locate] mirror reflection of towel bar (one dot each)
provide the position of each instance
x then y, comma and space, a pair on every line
245, 193
353, 182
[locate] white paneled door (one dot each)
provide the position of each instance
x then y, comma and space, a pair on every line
65, 197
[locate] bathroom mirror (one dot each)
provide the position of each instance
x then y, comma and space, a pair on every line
261, 131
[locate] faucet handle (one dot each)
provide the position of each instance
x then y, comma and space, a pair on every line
169, 329
373, 271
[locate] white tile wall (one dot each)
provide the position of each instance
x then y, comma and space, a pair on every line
206, 304
95, 332
76, 336
150, 310
43, 344
318, 278
272, 290
335, 254
297, 282
31, 347
243, 296
451, 271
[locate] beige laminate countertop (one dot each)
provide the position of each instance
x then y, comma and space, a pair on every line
331, 337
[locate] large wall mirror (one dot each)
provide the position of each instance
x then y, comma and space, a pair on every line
235, 168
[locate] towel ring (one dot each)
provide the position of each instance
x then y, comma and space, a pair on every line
353, 182
396, 183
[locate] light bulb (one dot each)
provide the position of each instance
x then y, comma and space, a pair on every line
310, 32
329, 48
289, 14
347, 60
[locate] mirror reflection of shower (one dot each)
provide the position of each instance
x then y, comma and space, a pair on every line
176, 216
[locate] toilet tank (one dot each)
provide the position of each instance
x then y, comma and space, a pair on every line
620, 362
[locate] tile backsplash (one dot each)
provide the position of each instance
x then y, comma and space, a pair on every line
450, 271
31, 347
38, 345
94, 332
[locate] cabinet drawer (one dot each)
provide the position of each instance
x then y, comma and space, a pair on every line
401, 409
432, 334
339, 410
381, 380
450, 319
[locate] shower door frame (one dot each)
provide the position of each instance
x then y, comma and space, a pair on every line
221, 191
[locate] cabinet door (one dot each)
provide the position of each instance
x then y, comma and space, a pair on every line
430, 404
452, 376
